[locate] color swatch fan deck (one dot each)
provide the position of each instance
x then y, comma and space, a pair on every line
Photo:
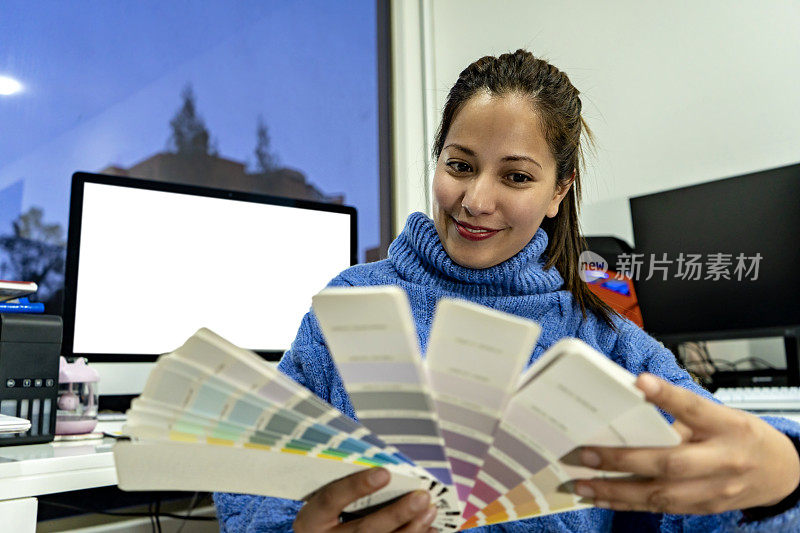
466, 423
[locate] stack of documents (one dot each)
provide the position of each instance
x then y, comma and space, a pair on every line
12, 424
466, 423
14, 297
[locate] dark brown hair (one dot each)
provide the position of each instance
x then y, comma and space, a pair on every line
559, 107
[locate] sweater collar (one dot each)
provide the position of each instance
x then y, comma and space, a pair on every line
419, 257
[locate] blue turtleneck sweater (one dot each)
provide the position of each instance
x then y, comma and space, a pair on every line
418, 263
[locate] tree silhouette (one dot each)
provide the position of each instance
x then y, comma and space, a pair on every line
266, 161
189, 133
34, 252
31, 225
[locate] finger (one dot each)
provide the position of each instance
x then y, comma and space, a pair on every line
685, 432
399, 515
694, 496
694, 411
325, 505
422, 523
684, 461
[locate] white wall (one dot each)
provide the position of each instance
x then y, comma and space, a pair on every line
412, 107
676, 92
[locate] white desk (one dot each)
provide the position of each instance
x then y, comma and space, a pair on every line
35, 469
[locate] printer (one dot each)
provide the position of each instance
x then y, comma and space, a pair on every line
30, 346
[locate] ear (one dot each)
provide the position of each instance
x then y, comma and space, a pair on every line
560, 193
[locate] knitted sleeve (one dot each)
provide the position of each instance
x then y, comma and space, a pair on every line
639, 352
309, 363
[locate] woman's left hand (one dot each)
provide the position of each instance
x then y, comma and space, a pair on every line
728, 459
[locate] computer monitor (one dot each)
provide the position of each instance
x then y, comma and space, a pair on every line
746, 232
149, 263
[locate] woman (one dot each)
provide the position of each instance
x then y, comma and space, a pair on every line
505, 234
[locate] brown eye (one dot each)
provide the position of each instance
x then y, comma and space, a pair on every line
459, 166
516, 177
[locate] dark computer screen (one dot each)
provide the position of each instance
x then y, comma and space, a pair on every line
722, 256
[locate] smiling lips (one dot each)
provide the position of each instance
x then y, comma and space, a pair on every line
474, 233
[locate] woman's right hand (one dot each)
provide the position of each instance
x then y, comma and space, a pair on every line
411, 514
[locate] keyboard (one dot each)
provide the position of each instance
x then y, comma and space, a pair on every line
761, 399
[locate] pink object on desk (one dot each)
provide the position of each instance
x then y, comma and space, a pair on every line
77, 398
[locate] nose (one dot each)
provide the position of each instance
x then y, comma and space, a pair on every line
479, 196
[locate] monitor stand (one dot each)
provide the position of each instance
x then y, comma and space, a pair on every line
120, 383
791, 342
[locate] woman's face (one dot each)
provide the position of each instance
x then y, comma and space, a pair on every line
495, 181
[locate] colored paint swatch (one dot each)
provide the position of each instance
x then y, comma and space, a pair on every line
467, 424
198, 392
272, 387
472, 379
372, 339
537, 496
212, 410
571, 397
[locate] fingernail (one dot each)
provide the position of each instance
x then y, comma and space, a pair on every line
584, 490
378, 476
572, 458
649, 384
602, 504
419, 500
568, 487
590, 458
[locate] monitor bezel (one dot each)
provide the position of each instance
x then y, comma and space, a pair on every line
80, 179
674, 336
726, 335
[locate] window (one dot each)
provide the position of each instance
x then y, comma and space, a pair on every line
274, 97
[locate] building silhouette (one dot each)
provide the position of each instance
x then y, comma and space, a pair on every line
222, 173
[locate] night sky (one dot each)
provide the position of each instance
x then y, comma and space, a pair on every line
103, 78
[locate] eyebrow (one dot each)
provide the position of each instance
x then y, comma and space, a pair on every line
506, 158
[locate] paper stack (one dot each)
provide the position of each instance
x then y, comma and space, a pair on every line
14, 297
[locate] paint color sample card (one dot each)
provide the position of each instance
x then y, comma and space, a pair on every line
152, 465
474, 358
276, 394
209, 396
212, 408
571, 398
483, 436
372, 339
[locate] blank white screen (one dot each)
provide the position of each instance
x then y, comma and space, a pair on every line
155, 266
